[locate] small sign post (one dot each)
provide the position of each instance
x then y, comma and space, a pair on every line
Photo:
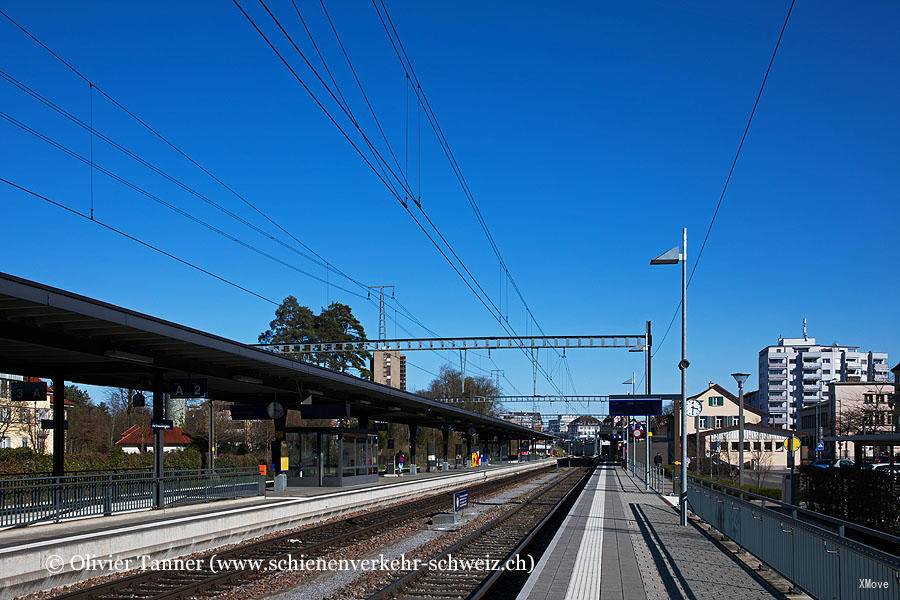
460, 500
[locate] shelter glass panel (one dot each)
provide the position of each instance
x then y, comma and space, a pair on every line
331, 451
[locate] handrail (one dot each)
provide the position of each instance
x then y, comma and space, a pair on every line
841, 524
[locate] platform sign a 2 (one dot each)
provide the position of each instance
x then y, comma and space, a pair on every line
188, 388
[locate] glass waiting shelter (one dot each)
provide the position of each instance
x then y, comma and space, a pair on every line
331, 456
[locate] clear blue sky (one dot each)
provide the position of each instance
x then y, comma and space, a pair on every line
589, 133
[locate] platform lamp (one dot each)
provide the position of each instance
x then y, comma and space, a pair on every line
740, 378
674, 257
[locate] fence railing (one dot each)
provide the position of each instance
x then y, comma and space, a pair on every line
40, 499
659, 483
811, 550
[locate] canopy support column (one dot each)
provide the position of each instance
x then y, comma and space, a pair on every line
59, 425
159, 415
413, 432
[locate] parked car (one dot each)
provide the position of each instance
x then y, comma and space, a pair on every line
832, 463
882, 466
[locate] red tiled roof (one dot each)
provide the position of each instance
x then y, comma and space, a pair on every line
138, 435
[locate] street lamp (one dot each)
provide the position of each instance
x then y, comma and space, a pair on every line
740, 378
673, 257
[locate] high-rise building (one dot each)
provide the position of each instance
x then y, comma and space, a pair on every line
389, 368
796, 372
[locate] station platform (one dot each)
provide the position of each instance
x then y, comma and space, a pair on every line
194, 528
619, 541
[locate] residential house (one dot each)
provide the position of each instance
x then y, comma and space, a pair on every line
139, 438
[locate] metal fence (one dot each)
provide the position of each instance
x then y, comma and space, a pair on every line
28, 500
659, 482
811, 550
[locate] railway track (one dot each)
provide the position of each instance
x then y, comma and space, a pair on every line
473, 570
205, 581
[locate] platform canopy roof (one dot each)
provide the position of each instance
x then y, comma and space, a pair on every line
49, 332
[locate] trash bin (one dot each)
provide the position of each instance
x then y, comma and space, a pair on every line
280, 482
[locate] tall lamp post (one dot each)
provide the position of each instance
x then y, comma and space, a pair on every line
674, 257
740, 378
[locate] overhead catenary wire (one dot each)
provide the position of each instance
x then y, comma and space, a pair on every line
405, 62
155, 248
316, 257
486, 301
417, 197
115, 102
175, 147
135, 239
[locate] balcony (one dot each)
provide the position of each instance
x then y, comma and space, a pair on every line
777, 376
810, 387
814, 376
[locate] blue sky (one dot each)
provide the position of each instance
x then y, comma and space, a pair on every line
590, 133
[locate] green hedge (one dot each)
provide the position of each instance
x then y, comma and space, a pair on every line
866, 497
773, 493
15, 461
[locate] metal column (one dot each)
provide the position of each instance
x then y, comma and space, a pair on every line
59, 425
648, 359
211, 461
445, 431
683, 367
413, 430
159, 415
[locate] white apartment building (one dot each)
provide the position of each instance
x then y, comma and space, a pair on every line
562, 423
796, 372
532, 420
584, 426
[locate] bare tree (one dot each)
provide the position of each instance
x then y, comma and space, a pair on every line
761, 459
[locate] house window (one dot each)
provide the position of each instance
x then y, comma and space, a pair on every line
768, 446
24, 442
716, 401
704, 422
734, 446
720, 422
757, 445
735, 421
4, 442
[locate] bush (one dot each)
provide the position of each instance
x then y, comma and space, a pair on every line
25, 461
773, 493
865, 497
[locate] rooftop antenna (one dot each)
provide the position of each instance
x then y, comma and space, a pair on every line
804, 329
